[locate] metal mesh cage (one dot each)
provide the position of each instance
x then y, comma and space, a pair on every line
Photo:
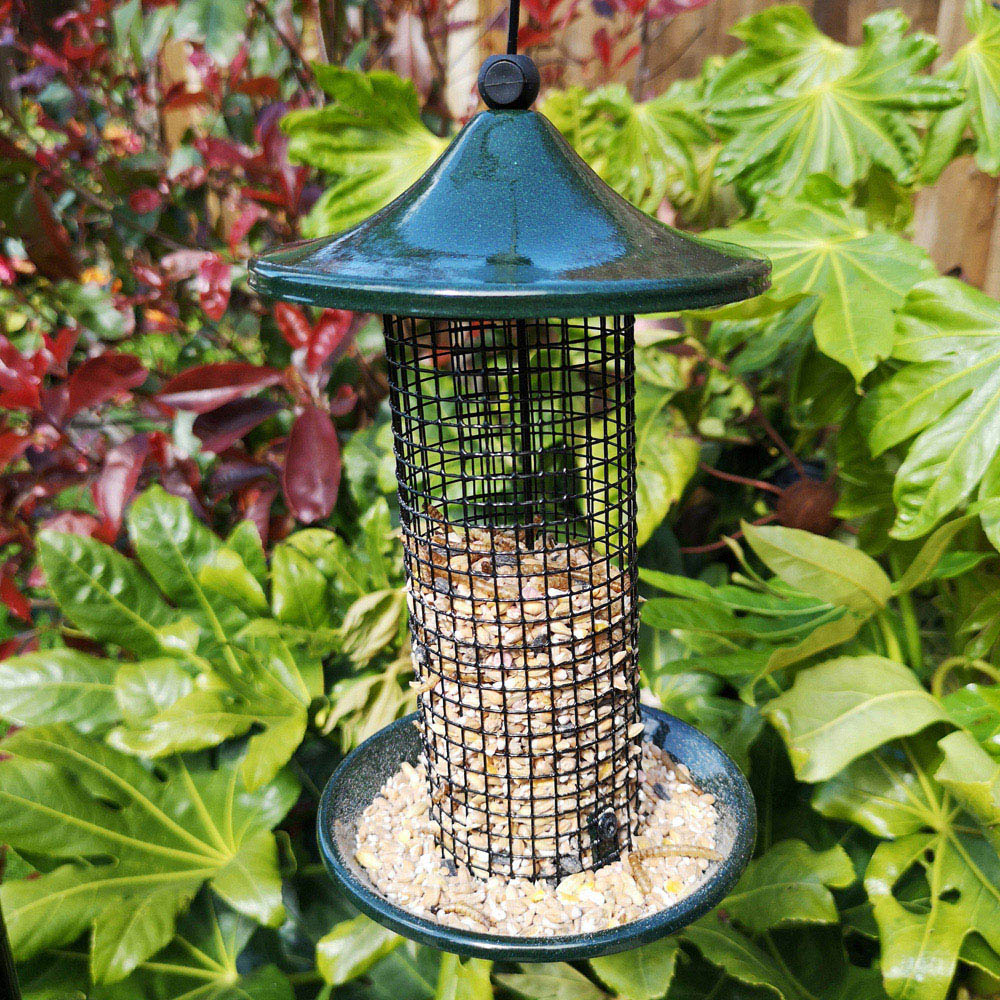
515, 448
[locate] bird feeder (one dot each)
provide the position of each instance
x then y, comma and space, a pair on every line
508, 277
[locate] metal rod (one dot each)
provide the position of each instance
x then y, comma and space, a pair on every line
513, 23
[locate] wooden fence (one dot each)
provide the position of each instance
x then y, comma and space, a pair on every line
957, 220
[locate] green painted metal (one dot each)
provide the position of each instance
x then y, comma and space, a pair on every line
510, 224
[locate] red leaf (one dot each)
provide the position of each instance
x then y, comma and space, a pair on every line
331, 334
293, 324
344, 400
12, 446
61, 346
20, 377
214, 284
73, 522
116, 483
311, 477
222, 154
183, 263
670, 8
208, 387
102, 378
251, 213
222, 428
145, 200
7, 273
14, 599
602, 46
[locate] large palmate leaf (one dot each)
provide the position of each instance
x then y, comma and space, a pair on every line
551, 981
835, 122
640, 148
369, 138
946, 397
976, 67
937, 880
124, 848
820, 246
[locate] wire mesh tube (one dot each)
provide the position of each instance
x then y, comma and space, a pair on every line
515, 449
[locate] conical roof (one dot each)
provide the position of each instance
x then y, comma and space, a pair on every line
510, 223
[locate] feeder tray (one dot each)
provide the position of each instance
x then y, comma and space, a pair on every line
360, 777
509, 277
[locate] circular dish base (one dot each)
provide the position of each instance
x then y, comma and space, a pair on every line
365, 770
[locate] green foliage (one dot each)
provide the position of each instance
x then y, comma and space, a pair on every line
369, 137
179, 679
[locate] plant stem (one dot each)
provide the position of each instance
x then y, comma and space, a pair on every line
911, 626
893, 649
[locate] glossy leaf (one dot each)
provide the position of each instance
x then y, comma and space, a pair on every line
822, 567
58, 685
121, 838
976, 68
945, 397
208, 387
837, 711
311, 477
551, 981
838, 118
369, 139
790, 884
820, 246
644, 973
352, 948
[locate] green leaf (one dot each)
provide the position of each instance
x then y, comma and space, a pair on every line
219, 25
644, 973
372, 622
930, 554
469, 980
742, 958
820, 246
206, 960
838, 118
790, 884
837, 711
822, 567
352, 948
369, 138
667, 456
938, 880
103, 593
172, 544
245, 541
976, 68
946, 396
640, 149
119, 838
298, 589
552, 981
977, 708
58, 685
228, 576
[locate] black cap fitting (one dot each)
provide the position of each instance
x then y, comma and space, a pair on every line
509, 82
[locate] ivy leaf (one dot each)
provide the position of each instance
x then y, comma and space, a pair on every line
838, 711
975, 68
790, 884
552, 981
641, 974
837, 123
352, 948
946, 397
820, 246
126, 849
369, 138
58, 685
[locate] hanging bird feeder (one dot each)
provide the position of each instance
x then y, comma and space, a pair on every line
531, 809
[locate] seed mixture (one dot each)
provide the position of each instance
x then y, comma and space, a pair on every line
673, 850
524, 651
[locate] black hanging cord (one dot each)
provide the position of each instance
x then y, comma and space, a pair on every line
513, 22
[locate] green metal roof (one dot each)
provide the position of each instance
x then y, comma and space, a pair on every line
510, 224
